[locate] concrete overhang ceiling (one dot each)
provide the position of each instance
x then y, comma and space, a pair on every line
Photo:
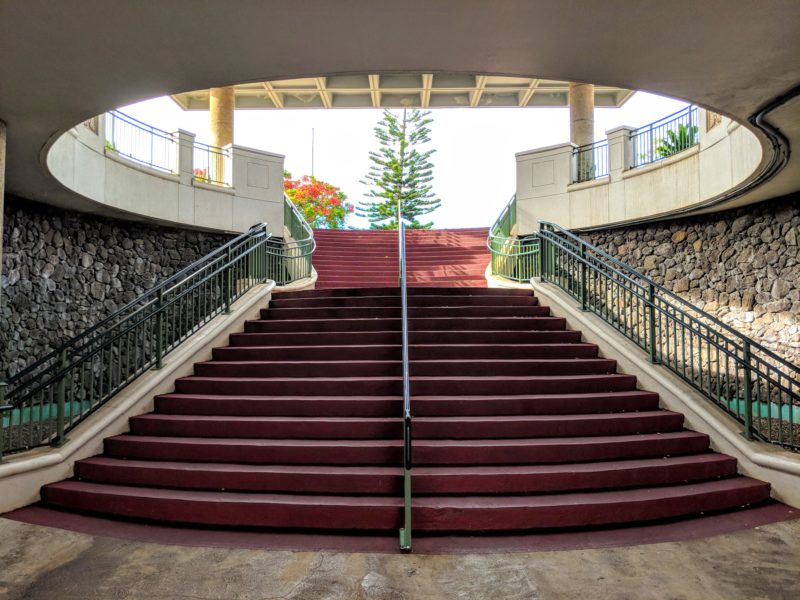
64, 62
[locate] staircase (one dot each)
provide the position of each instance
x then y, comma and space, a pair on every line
518, 425
437, 258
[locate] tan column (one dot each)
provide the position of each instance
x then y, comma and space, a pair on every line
581, 113
581, 129
220, 106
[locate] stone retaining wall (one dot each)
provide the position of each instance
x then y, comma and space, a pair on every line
743, 266
63, 271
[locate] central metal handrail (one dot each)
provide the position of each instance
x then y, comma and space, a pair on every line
405, 532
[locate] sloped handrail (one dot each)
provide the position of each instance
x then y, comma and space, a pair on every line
42, 402
750, 382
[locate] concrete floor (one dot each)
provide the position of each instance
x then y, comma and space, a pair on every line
38, 563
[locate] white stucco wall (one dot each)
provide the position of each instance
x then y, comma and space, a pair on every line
725, 155
80, 162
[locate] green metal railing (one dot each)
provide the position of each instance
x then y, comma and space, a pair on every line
751, 383
663, 138
40, 404
511, 257
590, 162
292, 257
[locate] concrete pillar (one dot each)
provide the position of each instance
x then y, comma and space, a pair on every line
581, 129
221, 105
581, 113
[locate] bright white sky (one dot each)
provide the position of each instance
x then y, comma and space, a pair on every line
474, 165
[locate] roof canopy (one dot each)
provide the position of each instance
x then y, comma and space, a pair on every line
425, 90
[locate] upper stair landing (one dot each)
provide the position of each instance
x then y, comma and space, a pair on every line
436, 257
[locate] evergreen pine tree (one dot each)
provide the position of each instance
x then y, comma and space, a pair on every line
400, 173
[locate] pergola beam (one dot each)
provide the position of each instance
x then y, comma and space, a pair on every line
425, 94
480, 86
324, 94
274, 96
374, 90
525, 96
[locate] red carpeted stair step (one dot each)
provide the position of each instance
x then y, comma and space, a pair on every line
302, 479
386, 386
417, 324
440, 513
280, 301
230, 509
394, 352
377, 368
389, 406
584, 509
393, 337
256, 451
389, 451
495, 427
305, 479
380, 312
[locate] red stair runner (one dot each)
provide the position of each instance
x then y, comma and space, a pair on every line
518, 426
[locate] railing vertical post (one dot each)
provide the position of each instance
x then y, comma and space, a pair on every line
3, 409
574, 166
541, 255
61, 392
227, 282
160, 329
265, 270
748, 393
651, 303
583, 276
114, 132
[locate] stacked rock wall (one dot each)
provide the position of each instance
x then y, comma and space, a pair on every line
64, 271
743, 266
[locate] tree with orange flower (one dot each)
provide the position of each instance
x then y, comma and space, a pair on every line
323, 205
